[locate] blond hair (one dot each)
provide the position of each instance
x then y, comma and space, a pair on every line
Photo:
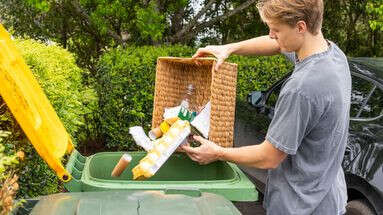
292, 11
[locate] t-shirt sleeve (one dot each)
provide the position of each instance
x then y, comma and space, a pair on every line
290, 56
290, 122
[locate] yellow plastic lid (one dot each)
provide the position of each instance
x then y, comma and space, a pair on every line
31, 108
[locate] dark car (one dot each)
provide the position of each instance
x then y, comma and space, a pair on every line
363, 159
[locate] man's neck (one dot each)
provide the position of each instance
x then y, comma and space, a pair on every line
313, 44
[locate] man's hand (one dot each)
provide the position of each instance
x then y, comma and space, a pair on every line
220, 52
206, 153
262, 156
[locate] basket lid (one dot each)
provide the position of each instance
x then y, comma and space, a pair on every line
31, 108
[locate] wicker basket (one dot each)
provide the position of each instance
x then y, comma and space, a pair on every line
174, 74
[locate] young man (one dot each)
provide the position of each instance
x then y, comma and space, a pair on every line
306, 139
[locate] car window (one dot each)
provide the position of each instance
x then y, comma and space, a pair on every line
374, 105
361, 90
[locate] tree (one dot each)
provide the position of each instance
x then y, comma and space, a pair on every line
211, 14
346, 22
87, 27
375, 9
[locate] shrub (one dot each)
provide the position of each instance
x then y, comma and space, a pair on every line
258, 73
8, 181
61, 80
126, 86
126, 89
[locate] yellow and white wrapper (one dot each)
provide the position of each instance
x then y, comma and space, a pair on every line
163, 148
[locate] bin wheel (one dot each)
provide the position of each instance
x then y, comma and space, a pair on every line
359, 207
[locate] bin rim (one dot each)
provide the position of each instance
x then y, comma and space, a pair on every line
87, 176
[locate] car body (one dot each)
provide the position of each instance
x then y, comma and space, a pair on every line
363, 158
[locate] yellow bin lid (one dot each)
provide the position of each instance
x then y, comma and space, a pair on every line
31, 108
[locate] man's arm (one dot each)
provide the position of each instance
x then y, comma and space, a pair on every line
263, 156
262, 45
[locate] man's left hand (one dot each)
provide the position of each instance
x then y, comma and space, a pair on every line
206, 153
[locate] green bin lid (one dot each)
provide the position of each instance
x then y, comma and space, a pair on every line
130, 202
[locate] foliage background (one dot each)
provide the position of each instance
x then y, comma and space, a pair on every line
88, 28
61, 79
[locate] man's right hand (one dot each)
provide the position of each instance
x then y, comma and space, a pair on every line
221, 52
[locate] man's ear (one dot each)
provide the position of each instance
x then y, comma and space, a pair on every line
301, 26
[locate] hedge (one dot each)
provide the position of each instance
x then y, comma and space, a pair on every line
126, 86
61, 79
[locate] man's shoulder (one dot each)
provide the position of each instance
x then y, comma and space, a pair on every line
319, 73
304, 83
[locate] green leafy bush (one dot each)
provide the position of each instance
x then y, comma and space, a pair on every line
8, 161
126, 86
61, 79
258, 73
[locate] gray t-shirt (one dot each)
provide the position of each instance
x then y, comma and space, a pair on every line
310, 124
